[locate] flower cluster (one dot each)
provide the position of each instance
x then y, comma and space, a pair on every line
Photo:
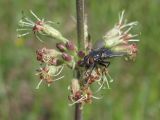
118, 41
54, 61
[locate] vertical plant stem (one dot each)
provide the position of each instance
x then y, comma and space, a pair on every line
80, 42
80, 23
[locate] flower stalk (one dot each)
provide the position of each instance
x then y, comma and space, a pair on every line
80, 41
89, 64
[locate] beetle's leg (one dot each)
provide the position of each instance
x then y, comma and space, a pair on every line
103, 63
107, 62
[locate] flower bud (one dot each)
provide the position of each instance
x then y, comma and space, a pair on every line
61, 47
66, 57
70, 45
81, 54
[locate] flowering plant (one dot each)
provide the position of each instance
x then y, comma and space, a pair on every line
91, 64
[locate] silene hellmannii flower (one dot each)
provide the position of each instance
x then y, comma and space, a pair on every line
118, 41
80, 94
120, 33
27, 26
49, 74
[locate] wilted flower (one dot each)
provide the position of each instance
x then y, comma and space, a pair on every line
40, 26
48, 74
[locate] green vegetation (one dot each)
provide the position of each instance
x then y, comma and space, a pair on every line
135, 91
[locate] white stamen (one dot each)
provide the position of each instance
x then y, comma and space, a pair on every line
26, 23
21, 29
59, 71
98, 98
129, 24
30, 21
101, 85
35, 15
133, 40
39, 84
23, 34
135, 35
111, 80
121, 17
59, 78
106, 80
82, 98
128, 29
38, 37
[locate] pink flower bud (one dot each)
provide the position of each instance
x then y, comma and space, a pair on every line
81, 54
61, 47
70, 45
66, 57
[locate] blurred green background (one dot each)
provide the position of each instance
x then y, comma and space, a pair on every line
135, 91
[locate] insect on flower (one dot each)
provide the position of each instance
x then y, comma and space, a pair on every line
97, 57
115, 43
